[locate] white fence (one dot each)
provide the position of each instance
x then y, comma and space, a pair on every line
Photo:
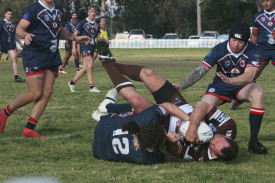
160, 43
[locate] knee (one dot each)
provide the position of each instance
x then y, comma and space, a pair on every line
48, 93
136, 101
257, 96
35, 95
148, 73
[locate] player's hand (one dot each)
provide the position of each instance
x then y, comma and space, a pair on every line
28, 38
83, 39
192, 136
74, 52
177, 86
273, 34
173, 137
95, 55
67, 45
224, 78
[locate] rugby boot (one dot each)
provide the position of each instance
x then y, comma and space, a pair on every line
28, 133
19, 80
3, 120
255, 147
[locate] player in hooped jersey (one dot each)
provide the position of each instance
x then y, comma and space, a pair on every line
87, 27
8, 44
41, 28
165, 94
237, 62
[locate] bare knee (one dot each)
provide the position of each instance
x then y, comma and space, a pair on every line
148, 73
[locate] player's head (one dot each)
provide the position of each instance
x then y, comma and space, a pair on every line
74, 15
238, 36
225, 148
102, 22
74, 21
8, 13
268, 5
151, 135
92, 11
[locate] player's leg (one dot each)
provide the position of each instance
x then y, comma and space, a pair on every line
35, 85
13, 56
212, 100
65, 60
89, 64
79, 54
40, 104
76, 62
254, 94
126, 88
263, 64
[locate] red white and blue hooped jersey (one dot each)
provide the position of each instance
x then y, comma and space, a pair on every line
111, 143
71, 28
90, 29
229, 63
46, 25
7, 35
265, 23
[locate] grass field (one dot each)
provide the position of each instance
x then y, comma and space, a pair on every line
67, 154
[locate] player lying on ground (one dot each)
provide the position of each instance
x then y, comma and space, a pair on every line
162, 91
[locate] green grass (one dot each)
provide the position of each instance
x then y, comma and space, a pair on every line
70, 159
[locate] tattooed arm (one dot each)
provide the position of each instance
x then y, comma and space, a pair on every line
193, 77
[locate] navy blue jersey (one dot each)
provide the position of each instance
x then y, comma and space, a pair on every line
71, 28
265, 23
230, 64
111, 143
46, 25
90, 29
7, 34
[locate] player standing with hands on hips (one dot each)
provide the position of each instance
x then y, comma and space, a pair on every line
41, 28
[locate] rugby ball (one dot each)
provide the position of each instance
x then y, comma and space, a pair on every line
205, 133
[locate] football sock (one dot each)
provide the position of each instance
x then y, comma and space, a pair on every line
255, 120
117, 78
118, 108
8, 111
76, 62
15, 75
72, 82
78, 68
131, 71
91, 86
61, 68
31, 123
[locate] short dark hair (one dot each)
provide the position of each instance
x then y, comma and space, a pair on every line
8, 9
230, 152
151, 135
74, 13
92, 6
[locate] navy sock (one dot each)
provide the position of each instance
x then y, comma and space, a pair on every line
118, 108
255, 120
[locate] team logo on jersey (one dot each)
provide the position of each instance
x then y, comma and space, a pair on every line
53, 24
176, 100
235, 71
242, 63
227, 63
270, 23
211, 90
263, 19
47, 18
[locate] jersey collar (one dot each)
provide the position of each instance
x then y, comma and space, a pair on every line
236, 55
90, 21
209, 155
7, 21
46, 6
269, 12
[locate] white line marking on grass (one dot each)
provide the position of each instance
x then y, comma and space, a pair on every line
48, 137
